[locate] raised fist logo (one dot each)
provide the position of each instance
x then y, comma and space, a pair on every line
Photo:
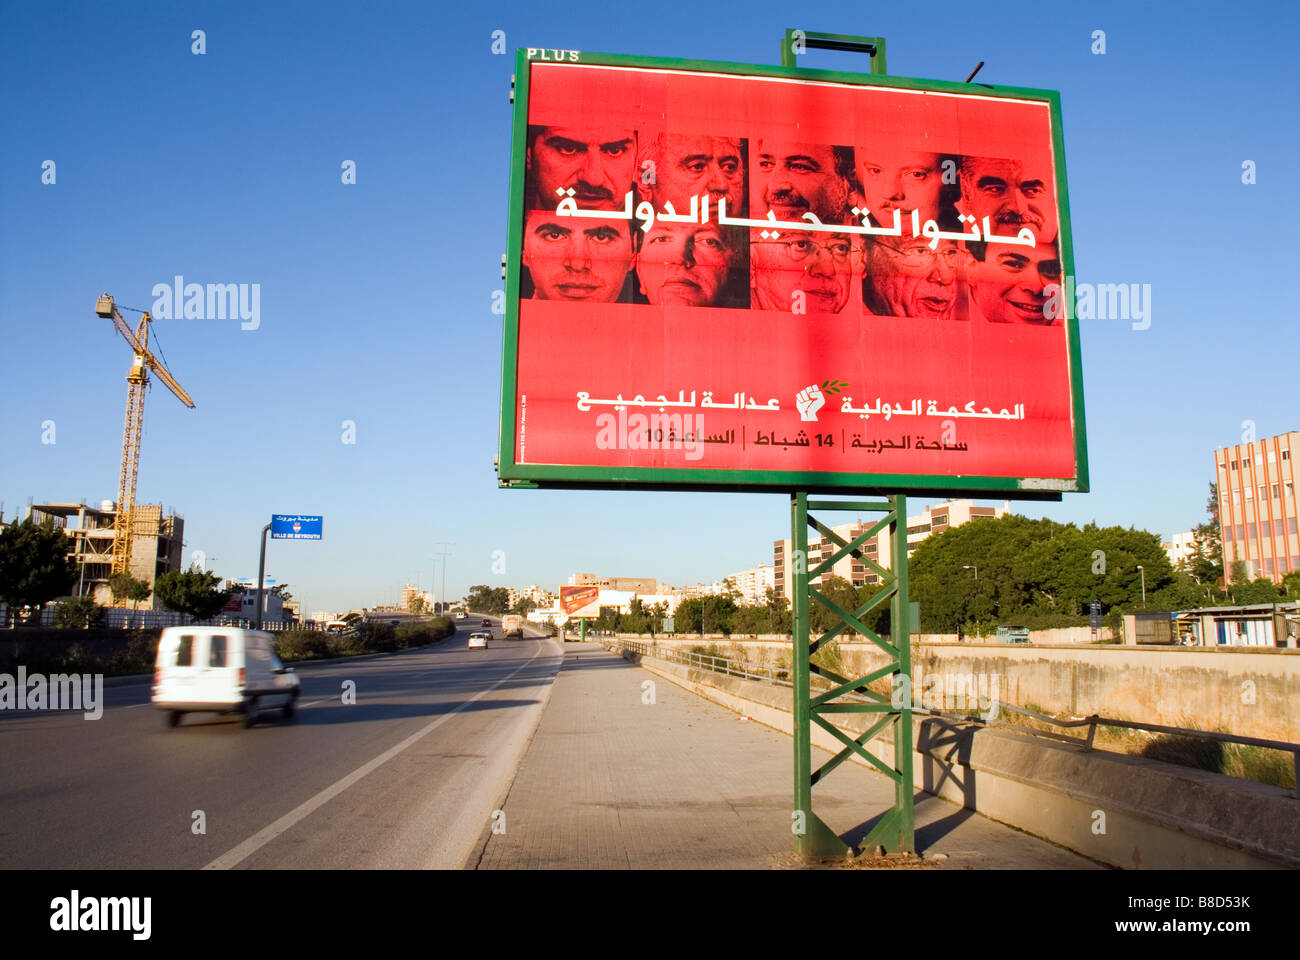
809, 400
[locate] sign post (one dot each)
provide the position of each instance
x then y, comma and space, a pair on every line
283, 526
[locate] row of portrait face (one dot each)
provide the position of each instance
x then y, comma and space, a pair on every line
598, 166
590, 260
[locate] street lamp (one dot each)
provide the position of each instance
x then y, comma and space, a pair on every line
971, 566
1144, 584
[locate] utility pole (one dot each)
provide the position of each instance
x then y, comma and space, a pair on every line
442, 597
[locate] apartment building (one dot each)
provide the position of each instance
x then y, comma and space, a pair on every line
1257, 505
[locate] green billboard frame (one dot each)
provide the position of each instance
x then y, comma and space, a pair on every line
699, 479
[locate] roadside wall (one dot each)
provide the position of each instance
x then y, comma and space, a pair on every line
1247, 691
1125, 811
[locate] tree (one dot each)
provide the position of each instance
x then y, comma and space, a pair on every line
417, 604
524, 606
78, 612
1207, 544
126, 587
1291, 585
281, 590
34, 565
839, 592
491, 600
193, 591
1259, 590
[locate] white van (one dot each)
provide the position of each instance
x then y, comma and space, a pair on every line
221, 670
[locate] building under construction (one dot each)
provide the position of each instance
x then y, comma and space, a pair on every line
156, 543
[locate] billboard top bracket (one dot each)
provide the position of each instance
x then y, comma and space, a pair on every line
797, 42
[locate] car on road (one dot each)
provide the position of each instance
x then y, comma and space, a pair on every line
205, 669
477, 640
486, 624
460, 614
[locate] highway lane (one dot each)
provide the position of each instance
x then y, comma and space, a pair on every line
406, 777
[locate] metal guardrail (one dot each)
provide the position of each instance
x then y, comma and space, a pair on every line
744, 671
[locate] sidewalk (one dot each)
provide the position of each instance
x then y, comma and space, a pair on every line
610, 782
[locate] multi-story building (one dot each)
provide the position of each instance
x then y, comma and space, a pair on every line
156, 543
540, 596
628, 584
1257, 505
753, 584
1180, 548
936, 519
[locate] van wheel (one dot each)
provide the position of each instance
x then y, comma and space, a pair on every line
250, 712
287, 710
172, 718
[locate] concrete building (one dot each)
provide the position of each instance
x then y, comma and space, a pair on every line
631, 584
936, 519
156, 545
539, 595
753, 583
1257, 505
1180, 547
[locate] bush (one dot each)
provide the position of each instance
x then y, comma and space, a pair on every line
302, 645
78, 612
377, 637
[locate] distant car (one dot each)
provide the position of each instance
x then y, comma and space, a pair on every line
477, 640
460, 614
486, 624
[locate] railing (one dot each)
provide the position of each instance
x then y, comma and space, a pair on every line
780, 677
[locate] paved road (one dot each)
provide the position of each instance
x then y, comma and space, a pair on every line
406, 777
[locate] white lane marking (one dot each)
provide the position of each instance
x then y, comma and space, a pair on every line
243, 851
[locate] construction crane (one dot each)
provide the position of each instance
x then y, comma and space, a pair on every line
137, 379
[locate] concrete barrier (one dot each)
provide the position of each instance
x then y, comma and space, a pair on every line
1249, 691
1120, 810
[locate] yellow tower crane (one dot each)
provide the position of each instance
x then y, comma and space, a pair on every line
137, 379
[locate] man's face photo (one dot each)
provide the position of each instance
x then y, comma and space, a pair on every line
908, 279
683, 263
802, 273
1010, 195
686, 167
791, 179
572, 258
1009, 285
597, 163
903, 180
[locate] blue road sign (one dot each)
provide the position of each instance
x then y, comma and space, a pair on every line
293, 526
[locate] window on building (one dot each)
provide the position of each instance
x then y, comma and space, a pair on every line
1275, 491
1271, 455
1234, 464
1250, 531
1290, 524
1249, 493
1286, 454
1268, 568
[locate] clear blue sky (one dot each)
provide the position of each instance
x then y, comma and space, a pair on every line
376, 298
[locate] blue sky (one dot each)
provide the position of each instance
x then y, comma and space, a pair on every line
376, 297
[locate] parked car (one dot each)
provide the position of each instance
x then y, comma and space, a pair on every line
221, 670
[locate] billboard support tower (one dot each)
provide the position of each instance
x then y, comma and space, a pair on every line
893, 711
893, 831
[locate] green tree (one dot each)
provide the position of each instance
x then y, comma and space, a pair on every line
839, 592
193, 591
281, 590
35, 566
716, 613
490, 600
126, 587
78, 612
1240, 574
1291, 585
524, 606
1259, 590
1207, 544
417, 604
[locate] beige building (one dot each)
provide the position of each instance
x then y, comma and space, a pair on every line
156, 544
628, 584
1257, 505
936, 519
1180, 548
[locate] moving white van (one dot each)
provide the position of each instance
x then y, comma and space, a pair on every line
221, 670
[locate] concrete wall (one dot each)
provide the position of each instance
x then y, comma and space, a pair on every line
1124, 811
1247, 691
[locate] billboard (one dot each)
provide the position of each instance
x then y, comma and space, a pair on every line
725, 276
580, 601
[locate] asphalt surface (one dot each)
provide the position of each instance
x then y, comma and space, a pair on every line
406, 777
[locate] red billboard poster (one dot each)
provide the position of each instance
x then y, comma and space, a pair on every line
579, 601
732, 276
